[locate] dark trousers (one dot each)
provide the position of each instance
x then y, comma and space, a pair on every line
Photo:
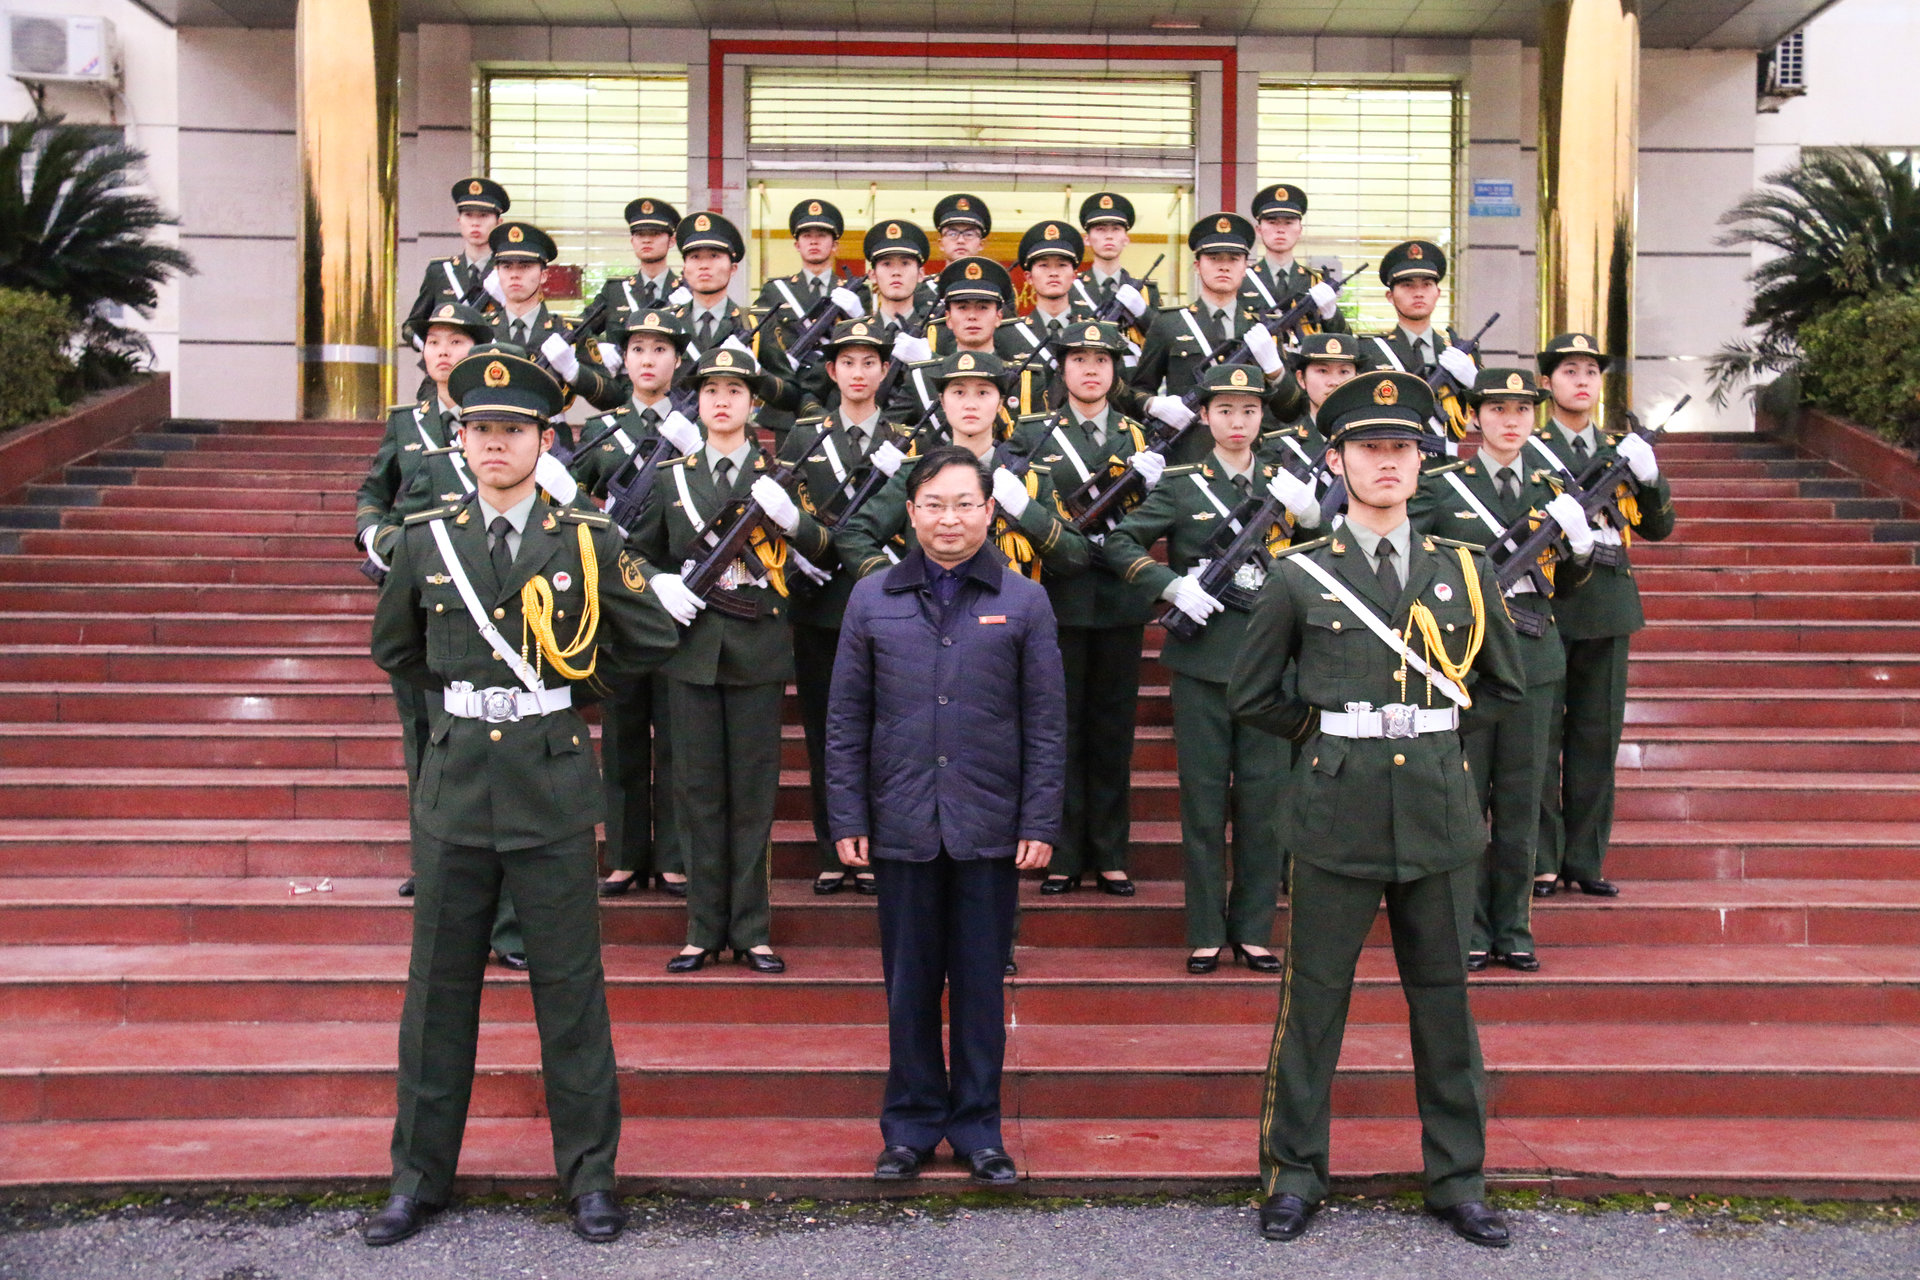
1227, 767
813, 651
1327, 924
636, 773
457, 888
411, 702
726, 777
945, 924
1576, 793
1103, 687
1508, 757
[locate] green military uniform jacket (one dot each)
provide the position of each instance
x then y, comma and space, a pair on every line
1391, 350
1268, 290
528, 782
785, 395
835, 466
635, 430
592, 383
717, 649
1060, 442
403, 479
1374, 808
1438, 508
1185, 509
1093, 293
1603, 600
626, 294
1015, 342
446, 280
1174, 354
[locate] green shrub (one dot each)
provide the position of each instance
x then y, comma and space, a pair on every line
1863, 362
34, 331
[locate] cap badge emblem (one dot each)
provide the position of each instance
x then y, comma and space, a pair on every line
723, 360
653, 319
1106, 202
646, 206
496, 375
445, 312
703, 223
1052, 232
973, 271
1238, 378
961, 203
1223, 224
964, 362
1386, 393
813, 207
893, 231
515, 235
1515, 382
1334, 348
1579, 342
1414, 250
473, 188
1093, 333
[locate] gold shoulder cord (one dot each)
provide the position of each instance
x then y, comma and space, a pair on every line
536, 609
1422, 618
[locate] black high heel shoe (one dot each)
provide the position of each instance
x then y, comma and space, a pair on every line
829, 882
692, 961
760, 961
672, 888
1268, 963
1059, 884
1204, 964
1121, 888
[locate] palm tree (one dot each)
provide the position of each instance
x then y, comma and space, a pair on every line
72, 226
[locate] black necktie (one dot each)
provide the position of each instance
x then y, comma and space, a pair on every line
1222, 327
813, 291
1580, 450
1384, 570
1508, 486
706, 330
520, 333
501, 554
648, 420
1243, 485
723, 480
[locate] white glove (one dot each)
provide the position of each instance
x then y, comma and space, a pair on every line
492, 286
675, 598
1327, 298
367, 536
1459, 365
848, 301
1132, 299
886, 458
680, 297
1567, 513
419, 343
610, 357
373, 558
1296, 495
1639, 455
680, 433
1010, 491
777, 503
1149, 464
561, 357
1189, 597
911, 349
1264, 349
1170, 410
555, 479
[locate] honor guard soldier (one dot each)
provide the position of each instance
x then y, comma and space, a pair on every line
729, 675
816, 227
711, 249
1320, 364
1371, 650
1050, 254
1412, 272
839, 464
1276, 282
896, 253
1100, 619
1597, 611
650, 225
505, 608
521, 252
478, 204
1476, 502
636, 741
978, 294
1106, 218
1183, 341
963, 223
1224, 770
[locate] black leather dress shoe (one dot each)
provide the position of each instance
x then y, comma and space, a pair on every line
597, 1217
406, 887
1475, 1223
672, 888
1545, 888
866, 886
992, 1166
1476, 961
827, 883
1597, 888
514, 960
1059, 884
897, 1164
691, 961
1121, 888
760, 961
403, 1216
1284, 1217
1256, 961
1203, 964
618, 888
1524, 961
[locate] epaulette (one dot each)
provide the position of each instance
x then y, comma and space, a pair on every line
688, 458
1185, 468
580, 515
1036, 467
1303, 546
813, 421
1454, 542
1455, 465
404, 404
431, 513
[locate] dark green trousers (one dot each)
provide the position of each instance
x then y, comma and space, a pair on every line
1327, 923
636, 774
1576, 792
1103, 688
813, 650
726, 775
456, 891
1508, 758
1227, 768
411, 700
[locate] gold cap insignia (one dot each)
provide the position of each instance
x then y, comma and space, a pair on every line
1386, 393
445, 312
1106, 202
646, 206
973, 271
1515, 382
1334, 348
1238, 378
723, 360
1579, 342
965, 361
496, 375
473, 188
1414, 251
1051, 233
703, 223
813, 207
515, 234
961, 203
653, 318
1224, 224
893, 231
859, 329
1093, 333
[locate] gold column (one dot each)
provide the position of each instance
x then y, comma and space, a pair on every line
1589, 141
347, 55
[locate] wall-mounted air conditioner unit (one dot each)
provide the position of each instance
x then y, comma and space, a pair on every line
56, 49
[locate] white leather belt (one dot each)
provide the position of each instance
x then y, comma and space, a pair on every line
497, 704
1395, 720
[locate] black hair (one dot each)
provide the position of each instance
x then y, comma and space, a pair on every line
938, 459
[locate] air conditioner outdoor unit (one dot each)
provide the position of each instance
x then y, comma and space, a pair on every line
47, 48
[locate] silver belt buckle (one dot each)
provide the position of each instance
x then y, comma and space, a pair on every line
1397, 720
498, 705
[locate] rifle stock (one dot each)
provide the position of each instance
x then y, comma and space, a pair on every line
730, 531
